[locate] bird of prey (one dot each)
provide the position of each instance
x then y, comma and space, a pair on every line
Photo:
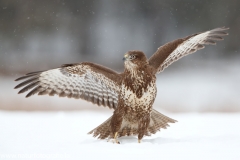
131, 93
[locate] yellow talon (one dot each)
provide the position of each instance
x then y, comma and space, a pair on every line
139, 140
115, 138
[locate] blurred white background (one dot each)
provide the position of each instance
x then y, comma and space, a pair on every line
40, 35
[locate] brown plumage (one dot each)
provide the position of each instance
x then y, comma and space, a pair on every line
131, 94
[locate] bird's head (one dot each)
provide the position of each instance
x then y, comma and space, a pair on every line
133, 59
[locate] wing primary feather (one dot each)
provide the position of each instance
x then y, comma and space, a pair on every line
34, 91
209, 41
30, 86
219, 33
215, 37
200, 46
80, 80
26, 82
34, 73
173, 51
23, 77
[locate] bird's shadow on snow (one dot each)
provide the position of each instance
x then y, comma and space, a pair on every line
134, 140
158, 140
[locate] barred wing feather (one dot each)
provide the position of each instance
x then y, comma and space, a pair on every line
173, 51
88, 81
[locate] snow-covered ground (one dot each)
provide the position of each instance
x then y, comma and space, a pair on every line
63, 135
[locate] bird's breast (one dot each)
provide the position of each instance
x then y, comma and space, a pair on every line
132, 99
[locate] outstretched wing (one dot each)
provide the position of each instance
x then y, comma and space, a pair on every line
87, 81
173, 51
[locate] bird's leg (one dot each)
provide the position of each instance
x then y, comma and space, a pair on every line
115, 138
139, 140
143, 124
116, 123
140, 136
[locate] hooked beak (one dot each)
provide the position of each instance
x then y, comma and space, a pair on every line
125, 57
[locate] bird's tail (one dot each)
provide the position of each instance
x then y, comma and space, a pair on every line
157, 122
102, 131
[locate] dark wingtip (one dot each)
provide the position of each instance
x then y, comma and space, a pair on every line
26, 82
23, 77
18, 79
34, 73
22, 91
31, 74
18, 86
27, 96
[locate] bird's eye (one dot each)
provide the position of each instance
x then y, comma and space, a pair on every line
132, 57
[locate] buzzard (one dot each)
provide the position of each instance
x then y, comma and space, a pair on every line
131, 93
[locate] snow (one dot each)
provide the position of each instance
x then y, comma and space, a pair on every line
63, 135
